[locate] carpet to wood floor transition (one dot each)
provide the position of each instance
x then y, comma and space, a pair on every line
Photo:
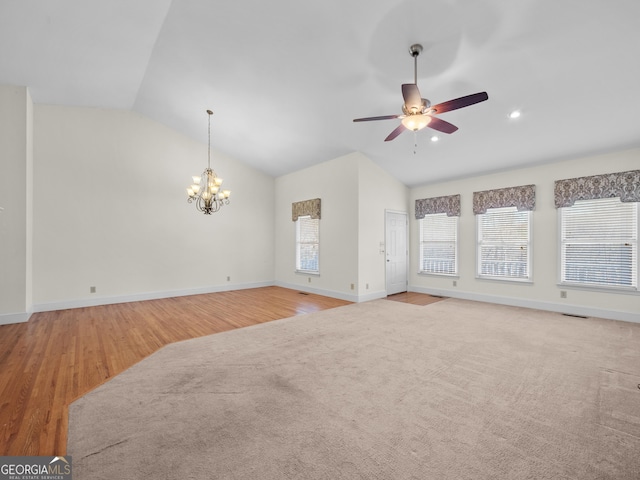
376, 390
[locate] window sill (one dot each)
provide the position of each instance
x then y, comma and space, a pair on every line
433, 274
308, 272
526, 281
600, 288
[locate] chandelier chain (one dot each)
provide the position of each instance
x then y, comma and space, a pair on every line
209, 141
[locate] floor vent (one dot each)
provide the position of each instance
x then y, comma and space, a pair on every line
572, 315
303, 293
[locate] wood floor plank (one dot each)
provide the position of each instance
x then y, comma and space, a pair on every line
58, 356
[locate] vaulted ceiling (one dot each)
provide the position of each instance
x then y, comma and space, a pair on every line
285, 78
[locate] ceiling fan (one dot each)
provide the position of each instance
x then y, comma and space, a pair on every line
418, 112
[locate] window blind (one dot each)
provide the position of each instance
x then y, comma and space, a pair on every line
504, 244
599, 243
438, 244
307, 244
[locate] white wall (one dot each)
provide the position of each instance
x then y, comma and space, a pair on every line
336, 183
16, 177
355, 193
378, 192
544, 293
111, 212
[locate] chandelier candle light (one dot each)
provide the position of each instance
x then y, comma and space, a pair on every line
206, 190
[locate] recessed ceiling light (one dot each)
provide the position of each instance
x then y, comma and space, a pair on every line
514, 114
434, 138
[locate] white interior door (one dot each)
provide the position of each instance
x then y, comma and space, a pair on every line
396, 251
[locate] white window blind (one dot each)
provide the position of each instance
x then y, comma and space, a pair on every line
599, 243
504, 244
307, 244
439, 244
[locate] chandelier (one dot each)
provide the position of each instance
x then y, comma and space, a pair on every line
206, 191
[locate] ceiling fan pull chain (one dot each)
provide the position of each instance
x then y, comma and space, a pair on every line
415, 141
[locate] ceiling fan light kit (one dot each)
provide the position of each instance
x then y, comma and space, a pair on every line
417, 112
415, 122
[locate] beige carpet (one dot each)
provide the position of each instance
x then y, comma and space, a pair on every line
377, 390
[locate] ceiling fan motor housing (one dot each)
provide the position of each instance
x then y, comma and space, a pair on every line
424, 108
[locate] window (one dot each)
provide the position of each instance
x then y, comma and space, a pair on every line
504, 244
599, 243
439, 244
307, 244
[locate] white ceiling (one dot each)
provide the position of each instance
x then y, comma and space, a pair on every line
285, 78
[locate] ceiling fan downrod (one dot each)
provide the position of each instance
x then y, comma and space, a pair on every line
415, 50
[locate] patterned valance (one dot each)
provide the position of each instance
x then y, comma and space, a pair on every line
429, 206
523, 198
306, 207
625, 185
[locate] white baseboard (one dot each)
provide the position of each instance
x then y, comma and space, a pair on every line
95, 301
349, 297
527, 303
9, 318
6, 319
372, 296
318, 291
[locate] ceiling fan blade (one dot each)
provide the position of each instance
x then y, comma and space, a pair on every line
460, 102
442, 126
399, 129
411, 95
383, 117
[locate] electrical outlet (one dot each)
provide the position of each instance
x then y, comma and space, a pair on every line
367, 286
228, 278
455, 283
92, 289
352, 286
563, 294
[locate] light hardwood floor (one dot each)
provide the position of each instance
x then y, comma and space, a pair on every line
56, 357
414, 298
